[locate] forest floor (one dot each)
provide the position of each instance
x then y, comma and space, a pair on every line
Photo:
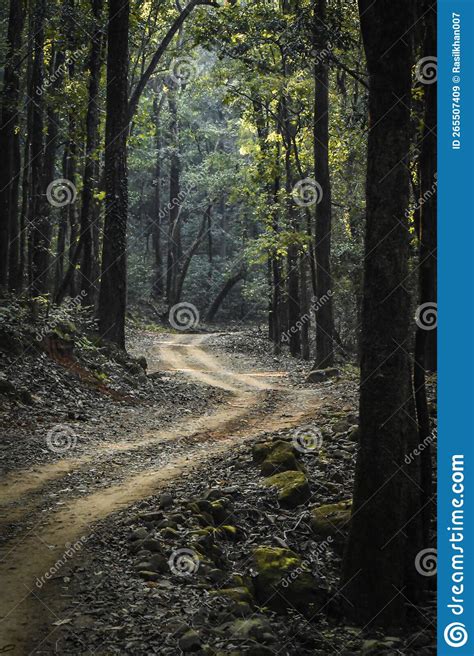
142, 524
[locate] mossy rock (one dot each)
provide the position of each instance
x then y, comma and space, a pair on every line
241, 594
282, 458
292, 486
261, 450
282, 581
332, 519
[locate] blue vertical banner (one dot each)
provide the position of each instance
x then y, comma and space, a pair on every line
456, 327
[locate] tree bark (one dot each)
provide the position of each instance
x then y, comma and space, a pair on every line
83, 249
10, 161
158, 283
174, 218
385, 527
113, 288
425, 340
39, 253
323, 229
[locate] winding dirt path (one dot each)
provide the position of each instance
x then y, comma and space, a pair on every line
257, 403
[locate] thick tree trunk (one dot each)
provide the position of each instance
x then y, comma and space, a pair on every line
425, 340
10, 149
322, 247
113, 288
385, 530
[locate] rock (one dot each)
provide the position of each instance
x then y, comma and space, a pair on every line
341, 426
293, 488
320, 375
151, 516
142, 362
353, 434
255, 628
149, 576
280, 459
282, 581
220, 512
140, 534
261, 450
166, 501
169, 533
240, 594
152, 545
190, 641
331, 519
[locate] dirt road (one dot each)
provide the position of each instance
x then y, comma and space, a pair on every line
130, 468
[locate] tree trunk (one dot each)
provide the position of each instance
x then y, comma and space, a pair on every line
113, 288
39, 253
192, 251
174, 231
158, 283
217, 302
385, 528
425, 340
83, 249
10, 148
322, 246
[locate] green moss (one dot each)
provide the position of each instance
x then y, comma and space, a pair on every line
282, 580
292, 486
281, 458
331, 519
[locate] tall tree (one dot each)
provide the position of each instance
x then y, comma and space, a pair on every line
323, 229
113, 288
425, 340
10, 148
385, 530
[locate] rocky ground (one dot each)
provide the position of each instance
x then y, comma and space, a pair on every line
234, 478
